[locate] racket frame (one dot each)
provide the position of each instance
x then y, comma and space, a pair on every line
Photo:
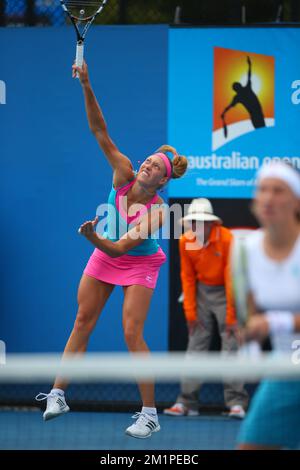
241, 290
81, 35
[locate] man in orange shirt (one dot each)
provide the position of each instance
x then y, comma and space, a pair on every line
205, 277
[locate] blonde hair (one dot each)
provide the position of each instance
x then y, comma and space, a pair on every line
179, 162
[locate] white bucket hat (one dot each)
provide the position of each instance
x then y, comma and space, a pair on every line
201, 209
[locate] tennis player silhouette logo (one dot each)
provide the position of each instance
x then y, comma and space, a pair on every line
247, 97
243, 94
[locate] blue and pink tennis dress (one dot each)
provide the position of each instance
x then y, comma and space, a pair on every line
139, 265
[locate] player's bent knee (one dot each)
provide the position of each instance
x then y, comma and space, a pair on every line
85, 321
133, 338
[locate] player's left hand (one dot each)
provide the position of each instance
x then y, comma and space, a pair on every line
192, 325
233, 330
87, 229
257, 328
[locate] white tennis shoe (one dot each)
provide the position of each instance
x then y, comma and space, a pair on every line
56, 405
237, 412
144, 426
178, 409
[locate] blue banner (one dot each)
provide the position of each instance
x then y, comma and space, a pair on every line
233, 96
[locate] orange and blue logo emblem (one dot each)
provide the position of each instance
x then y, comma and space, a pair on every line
243, 94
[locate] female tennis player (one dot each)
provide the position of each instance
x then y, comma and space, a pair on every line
125, 255
273, 257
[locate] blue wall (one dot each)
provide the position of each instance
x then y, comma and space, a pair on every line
53, 175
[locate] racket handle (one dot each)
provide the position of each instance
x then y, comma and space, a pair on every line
79, 56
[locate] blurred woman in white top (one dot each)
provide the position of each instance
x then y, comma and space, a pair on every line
273, 255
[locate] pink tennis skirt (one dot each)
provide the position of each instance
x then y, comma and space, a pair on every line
126, 270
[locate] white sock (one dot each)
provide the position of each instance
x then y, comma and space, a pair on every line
58, 391
150, 411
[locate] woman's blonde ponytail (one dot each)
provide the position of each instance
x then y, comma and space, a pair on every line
179, 162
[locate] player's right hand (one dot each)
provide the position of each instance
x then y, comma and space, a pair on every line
257, 328
82, 72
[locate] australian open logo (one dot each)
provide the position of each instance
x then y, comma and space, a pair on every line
2, 92
243, 94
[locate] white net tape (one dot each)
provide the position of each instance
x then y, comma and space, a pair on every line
164, 367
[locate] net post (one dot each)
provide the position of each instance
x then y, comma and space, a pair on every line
123, 5
30, 17
295, 11
2, 14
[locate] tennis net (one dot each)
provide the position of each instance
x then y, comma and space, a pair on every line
103, 395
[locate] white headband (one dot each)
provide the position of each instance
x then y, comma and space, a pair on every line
280, 170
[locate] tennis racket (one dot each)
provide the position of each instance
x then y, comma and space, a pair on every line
82, 13
241, 290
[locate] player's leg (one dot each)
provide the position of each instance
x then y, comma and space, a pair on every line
92, 296
135, 309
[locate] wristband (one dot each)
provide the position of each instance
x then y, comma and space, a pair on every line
280, 321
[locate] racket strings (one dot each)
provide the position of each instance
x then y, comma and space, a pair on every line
80, 4
84, 10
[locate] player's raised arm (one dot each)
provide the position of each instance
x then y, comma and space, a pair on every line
118, 161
